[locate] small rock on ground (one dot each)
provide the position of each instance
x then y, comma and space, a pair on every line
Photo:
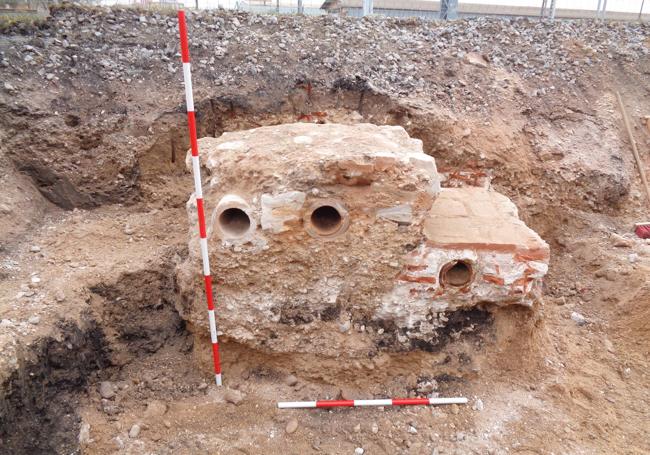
621, 242
291, 380
84, 433
155, 408
233, 396
106, 390
292, 426
134, 432
578, 318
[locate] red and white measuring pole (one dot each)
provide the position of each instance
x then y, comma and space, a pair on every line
381, 402
196, 171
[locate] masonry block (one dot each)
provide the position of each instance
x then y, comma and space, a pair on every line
330, 238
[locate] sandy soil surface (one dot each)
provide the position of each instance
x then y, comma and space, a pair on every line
94, 356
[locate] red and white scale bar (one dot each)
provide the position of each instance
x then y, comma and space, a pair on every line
196, 171
380, 402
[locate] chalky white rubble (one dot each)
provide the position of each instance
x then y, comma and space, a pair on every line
338, 238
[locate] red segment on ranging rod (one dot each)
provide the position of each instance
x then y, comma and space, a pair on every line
198, 191
380, 402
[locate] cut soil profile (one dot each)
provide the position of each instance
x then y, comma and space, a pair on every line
96, 352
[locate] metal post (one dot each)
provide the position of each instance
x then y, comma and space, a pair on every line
542, 12
277, 6
552, 12
641, 10
604, 9
598, 8
448, 9
301, 8
367, 7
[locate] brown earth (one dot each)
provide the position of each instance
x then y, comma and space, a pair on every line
93, 226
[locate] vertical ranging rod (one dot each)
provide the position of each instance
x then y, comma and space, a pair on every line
196, 171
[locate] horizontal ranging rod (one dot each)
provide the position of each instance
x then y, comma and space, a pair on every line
380, 402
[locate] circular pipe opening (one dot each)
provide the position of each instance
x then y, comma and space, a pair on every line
457, 273
234, 222
326, 220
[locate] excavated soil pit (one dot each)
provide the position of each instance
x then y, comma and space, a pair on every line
129, 320
137, 340
40, 407
133, 336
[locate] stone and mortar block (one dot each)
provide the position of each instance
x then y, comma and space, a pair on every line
344, 226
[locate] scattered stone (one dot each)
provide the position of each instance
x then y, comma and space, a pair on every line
110, 409
621, 242
155, 408
34, 320
6, 323
291, 380
106, 390
412, 430
128, 230
476, 60
59, 296
233, 396
578, 318
34, 248
8, 87
454, 409
357, 428
167, 423
203, 386
426, 386
633, 258
607, 273
134, 432
84, 434
359, 451
118, 442
478, 405
374, 428
292, 426
626, 373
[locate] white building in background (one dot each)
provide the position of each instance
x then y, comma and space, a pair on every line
428, 9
